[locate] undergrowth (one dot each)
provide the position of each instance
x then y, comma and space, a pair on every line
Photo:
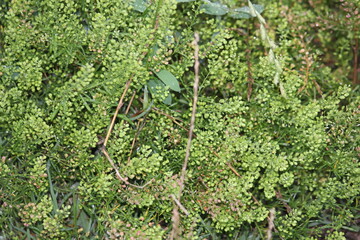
96, 101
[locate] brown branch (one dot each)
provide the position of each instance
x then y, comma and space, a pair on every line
308, 64
229, 165
131, 100
172, 118
176, 231
192, 121
126, 112
250, 78
135, 138
121, 102
255, 200
128, 83
318, 88
133, 142
249, 74
118, 175
236, 173
280, 198
355, 70
240, 31
179, 204
233, 170
271, 224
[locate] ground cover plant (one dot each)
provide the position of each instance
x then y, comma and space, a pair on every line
187, 119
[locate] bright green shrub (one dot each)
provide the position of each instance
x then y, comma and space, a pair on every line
276, 128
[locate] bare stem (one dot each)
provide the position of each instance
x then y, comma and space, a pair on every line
118, 175
131, 100
176, 231
271, 225
121, 102
192, 121
179, 204
355, 67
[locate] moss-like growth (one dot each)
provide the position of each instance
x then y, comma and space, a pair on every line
276, 122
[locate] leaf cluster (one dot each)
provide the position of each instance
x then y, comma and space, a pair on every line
276, 123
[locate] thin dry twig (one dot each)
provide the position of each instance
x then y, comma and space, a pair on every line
280, 198
130, 103
236, 173
355, 79
271, 225
307, 57
255, 200
249, 75
179, 204
128, 83
133, 141
317, 86
172, 118
176, 216
192, 121
233, 170
121, 102
229, 165
240, 31
135, 138
309, 62
118, 175
250, 78
175, 121
126, 112
175, 232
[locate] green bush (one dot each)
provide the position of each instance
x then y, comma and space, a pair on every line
276, 139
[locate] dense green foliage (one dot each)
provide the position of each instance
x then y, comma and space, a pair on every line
277, 123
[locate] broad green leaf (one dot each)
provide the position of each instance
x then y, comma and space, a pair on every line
155, 86
244, 12
140, 5
185, 0
215, 8
258, 8
239, 15
153, 50
84, 220
14, 75
168, 79
168, 99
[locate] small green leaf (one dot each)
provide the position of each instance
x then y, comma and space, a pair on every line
215, 8
146, 98
185, 0
140, 5
169, 80
244, 12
